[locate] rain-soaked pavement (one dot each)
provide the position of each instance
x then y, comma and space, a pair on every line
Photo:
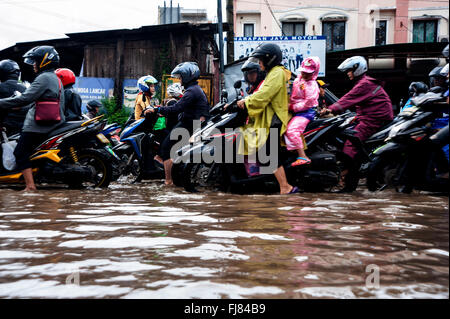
150, 241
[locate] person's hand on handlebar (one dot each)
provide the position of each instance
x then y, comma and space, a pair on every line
241, 104
325, 111
149, 110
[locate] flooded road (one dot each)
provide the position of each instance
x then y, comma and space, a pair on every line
149, 241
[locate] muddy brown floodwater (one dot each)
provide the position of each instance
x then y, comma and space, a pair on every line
149, 241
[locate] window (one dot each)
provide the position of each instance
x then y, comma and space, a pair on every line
249, 30
293, 28
424, 31
335, 33
380, 32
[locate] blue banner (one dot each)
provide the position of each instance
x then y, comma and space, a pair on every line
93, 89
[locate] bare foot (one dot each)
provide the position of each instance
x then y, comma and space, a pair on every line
286, 189
30, 189
168, 183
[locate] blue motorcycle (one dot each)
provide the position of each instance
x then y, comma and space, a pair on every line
137, 149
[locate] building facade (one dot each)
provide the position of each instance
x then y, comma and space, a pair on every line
348, 24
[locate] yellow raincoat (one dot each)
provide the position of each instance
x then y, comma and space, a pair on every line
271, 98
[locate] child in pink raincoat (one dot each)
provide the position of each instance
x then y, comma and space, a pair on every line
304, 97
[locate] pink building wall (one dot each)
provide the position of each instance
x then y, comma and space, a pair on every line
361, 17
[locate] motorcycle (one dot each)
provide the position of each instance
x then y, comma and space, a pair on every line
237, 176
410, 159
131, 147
69, 155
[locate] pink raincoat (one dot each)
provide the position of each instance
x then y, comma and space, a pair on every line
304, 97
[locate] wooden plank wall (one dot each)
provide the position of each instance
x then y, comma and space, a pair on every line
156, 56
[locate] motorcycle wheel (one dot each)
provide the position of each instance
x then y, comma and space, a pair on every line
383, 173
195, 177
100, 166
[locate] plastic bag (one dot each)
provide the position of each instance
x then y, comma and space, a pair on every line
9, 160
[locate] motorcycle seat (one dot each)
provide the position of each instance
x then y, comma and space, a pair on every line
66, 126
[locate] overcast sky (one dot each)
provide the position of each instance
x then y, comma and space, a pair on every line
32, 20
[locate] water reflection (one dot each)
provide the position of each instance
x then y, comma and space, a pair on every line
148, 241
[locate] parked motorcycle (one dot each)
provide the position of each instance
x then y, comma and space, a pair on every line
69, 156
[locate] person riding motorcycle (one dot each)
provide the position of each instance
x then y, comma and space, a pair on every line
437, 81
146, 96
72, 99
46, 86
253, 76
373, 105
174, 93
93, 107
415, 89
268, 108
12, 120
193, 106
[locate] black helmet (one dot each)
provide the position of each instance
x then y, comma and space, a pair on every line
417, 88
9, 69
186, 71
45, 57
436, 72
248, 67
269, 53
92, 105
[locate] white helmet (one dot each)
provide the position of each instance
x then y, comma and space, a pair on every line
175, 90
357, 64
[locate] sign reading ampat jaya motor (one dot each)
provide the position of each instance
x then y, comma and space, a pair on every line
294, 48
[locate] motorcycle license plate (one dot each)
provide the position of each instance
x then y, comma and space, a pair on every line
102, 138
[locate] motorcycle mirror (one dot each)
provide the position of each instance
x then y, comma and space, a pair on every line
237, 84
224, 94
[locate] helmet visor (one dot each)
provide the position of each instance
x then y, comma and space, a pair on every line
253, 59
29, 61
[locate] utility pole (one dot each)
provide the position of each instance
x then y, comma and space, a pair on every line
219, 20
230, 33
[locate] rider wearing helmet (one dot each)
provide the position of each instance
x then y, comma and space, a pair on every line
415, 89
175, 93
253, 76
9, 84
72, 99
192, 106
93, 108
372, 103
146, 96
437, 80
46, 86
268, 110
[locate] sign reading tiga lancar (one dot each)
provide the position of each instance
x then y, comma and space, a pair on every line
294, 48
93, 89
